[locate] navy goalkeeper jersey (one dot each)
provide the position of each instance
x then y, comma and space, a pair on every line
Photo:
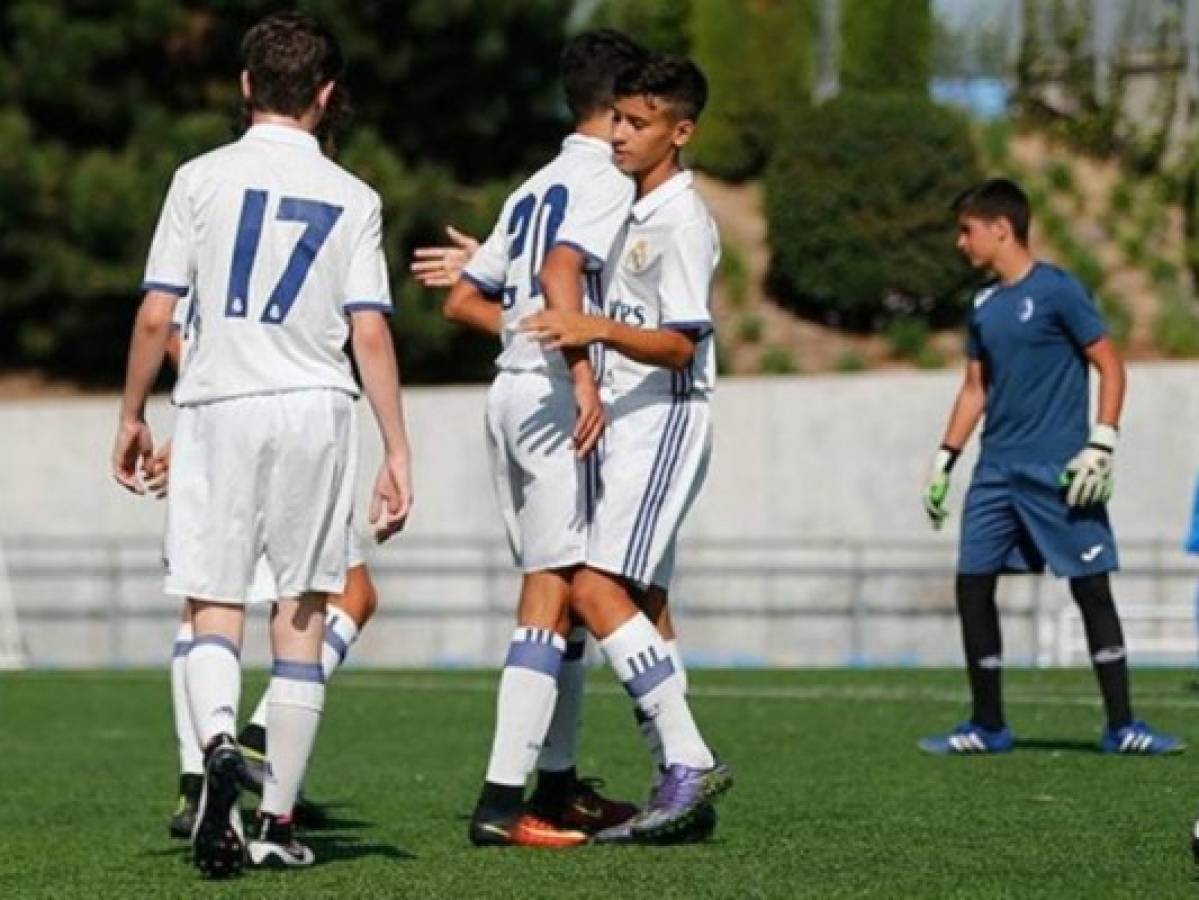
1030, 337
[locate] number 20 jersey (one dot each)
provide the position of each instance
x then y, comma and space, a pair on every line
579, 199
277, 245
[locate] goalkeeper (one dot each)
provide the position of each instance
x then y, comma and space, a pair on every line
1039, 491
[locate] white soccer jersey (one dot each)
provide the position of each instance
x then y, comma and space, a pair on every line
580, 199
277, 245
663, 279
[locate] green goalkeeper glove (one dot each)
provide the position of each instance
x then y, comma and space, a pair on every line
1088, 476
936, 485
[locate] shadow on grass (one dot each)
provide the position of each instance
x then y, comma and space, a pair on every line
1051, 745
331, 848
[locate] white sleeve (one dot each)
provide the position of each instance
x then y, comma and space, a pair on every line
367, 286
488, 268
595, 215
181, 314
688, 267
171, 265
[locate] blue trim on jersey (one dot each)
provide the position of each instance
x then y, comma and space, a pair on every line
354, 306
595, 261
178, 290
701, 327
486, 288
298, 671
180, 648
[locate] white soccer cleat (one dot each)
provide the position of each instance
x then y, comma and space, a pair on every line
275, 845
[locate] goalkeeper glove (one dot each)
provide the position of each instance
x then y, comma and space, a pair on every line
1088, 476
936, 486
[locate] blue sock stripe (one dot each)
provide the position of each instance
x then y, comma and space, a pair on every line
544, 658
216, 640
180, 648
646, 677
337, 642
298, 671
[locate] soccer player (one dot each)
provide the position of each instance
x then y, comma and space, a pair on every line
348, 614
655, 453
544, 418
280, 248
1039, 490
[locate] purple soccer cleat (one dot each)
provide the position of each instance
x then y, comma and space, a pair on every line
678, 800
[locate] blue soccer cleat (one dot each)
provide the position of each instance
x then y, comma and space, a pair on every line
969, 739
1138, 739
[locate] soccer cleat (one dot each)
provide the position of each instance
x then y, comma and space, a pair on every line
522, 830
183, 821
969, 739
581, 807
701, 828
274, 845
218, 844
1138, 739
1195, 842
677, 800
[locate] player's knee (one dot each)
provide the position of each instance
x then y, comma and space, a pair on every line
587, 592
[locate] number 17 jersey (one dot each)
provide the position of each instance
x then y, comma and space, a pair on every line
277, 245
579, 199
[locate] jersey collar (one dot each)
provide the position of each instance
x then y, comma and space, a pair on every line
588, 144
661, 195
283, 134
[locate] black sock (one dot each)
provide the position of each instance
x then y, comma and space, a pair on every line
1105, 641
984, 647
253, 736
553, 788
190, 786
501, 799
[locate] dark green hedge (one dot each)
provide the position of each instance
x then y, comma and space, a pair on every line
857, 199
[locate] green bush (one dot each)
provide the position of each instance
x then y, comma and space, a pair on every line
777, 360
1121, 198
757, 57
1117, 314
850, 361
907, 337
658, 24
857, 205
887, 45
1060, 178
749, 328
929, 358
994, 140
1133, 248
1162, 272
734, 274
1176, 326
1084, 264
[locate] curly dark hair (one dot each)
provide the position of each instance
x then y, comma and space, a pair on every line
675, 79
591, 63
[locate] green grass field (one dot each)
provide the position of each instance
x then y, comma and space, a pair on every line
832, 797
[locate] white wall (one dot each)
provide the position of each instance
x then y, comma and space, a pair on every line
796, 459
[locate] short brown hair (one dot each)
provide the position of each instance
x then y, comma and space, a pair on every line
290, 57
997, 198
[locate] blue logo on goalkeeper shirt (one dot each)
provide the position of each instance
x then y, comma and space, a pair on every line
1027, 308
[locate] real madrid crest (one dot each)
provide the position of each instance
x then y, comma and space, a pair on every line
638, 256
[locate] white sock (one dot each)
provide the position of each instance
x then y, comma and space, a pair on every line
191, 757
562, 738
643, 665
340, 633
213, 676
297, 696
528, 688
647, 726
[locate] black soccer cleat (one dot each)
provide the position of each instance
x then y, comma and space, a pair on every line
183, 821
218, 844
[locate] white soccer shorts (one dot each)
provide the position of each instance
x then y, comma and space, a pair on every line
654, 460
262, 476
263, 589
539, 485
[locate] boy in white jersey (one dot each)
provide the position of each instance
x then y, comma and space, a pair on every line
655, 453
346, 615
553, 238
279, 247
